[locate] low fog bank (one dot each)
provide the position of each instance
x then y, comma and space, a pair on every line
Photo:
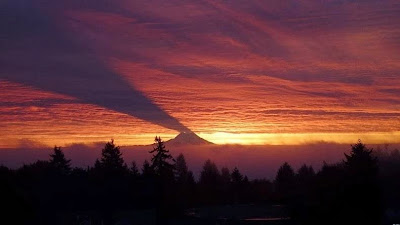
253, 161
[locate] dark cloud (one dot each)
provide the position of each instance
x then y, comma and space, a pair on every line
47, 103
394, 91
37, 52
334, 113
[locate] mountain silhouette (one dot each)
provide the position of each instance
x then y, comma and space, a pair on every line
188, 138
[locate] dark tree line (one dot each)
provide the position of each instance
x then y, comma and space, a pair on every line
355, 191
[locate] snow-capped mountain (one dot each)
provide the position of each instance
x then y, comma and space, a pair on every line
188, 138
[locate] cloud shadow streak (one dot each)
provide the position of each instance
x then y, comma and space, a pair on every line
37, 52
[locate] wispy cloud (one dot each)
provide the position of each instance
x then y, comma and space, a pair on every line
39, 53
212, 66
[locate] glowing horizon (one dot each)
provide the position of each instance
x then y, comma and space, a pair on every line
218, 138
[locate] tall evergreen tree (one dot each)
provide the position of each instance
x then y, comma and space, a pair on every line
147, 170
210, 174
225, 176
237, 177
209, 183
285, 174
305, 174
182, 170
237, 185
184, 187
162, 161
362, 192
59, 162
225, 184
111, 160
361, 161
190, 179
134, 170
285, 181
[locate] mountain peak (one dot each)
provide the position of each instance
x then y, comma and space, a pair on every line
188, 138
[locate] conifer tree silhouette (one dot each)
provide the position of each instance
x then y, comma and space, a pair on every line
237, 185
209, 183
305, 172
304, 177
361, 161
285, 181
210, 174
134, 170
59, 162
147, 170
362, 192
182, 170
163, 168
225, 176
162, 160
237, 177
111, 161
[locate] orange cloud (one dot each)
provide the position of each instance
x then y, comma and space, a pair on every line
288, 72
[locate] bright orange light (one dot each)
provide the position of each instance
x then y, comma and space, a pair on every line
300, 138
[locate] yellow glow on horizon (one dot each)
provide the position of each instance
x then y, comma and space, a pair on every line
300, 138
219, 138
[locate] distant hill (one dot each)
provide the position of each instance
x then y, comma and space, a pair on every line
187, 138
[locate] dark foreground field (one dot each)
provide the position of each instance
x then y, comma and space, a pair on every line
218, 214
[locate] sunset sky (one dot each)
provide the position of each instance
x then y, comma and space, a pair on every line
233, 71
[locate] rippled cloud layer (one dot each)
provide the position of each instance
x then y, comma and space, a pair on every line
248, 72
